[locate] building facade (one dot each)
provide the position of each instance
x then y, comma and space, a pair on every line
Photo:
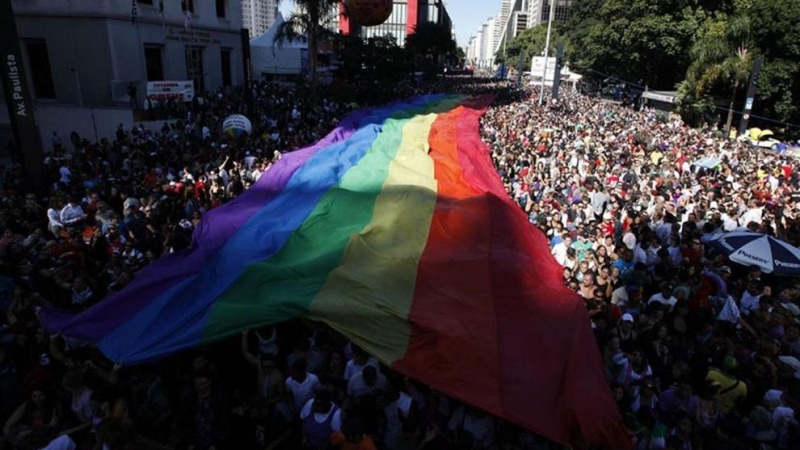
487, 45
539, 11
258, 15
90, 53
471, 50
406, 14
479, 51
501, 23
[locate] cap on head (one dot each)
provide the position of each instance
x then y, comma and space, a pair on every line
627, 318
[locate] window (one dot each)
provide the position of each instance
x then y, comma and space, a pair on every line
194, 67
187, 5
220, 8
225, 60
42, 77
153, 59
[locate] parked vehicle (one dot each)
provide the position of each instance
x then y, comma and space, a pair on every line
761, 138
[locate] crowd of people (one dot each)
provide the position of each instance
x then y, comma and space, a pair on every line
701, 353
694, 346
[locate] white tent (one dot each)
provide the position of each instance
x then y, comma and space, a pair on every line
269, 58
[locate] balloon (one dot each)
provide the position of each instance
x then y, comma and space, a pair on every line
237, 126
369, 13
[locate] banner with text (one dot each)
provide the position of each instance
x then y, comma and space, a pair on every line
165, 90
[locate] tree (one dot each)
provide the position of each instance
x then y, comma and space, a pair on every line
665, 43
775, 27
431, 45
645, 40
307, 23
461, 55
531, 42
722, 54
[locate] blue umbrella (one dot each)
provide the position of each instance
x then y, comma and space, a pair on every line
762, 250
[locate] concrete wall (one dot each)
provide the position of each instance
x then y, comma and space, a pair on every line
72, 42
91, 123
205, 14
63, 7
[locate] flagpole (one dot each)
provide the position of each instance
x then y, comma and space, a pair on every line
547, 48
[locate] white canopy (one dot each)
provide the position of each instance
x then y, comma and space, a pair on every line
268, 57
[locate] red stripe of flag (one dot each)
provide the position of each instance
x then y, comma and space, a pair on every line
492, 324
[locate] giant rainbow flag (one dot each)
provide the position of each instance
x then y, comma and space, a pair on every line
396, 231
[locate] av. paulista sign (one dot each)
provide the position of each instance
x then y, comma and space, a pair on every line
18, 98
20, 106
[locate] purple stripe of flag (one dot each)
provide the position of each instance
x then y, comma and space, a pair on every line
224, 221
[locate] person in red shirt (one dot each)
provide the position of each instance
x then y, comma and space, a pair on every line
352, 437
694, 251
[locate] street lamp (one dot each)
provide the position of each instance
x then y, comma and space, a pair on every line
547, 48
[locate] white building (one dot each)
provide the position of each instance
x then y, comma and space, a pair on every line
517, 21
486, 45
258, 15
472, 50
539, 11
84, 57
501, 22
99, 43
481, 48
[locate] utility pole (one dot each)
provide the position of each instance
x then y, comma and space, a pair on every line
751, 95
557, 71
547, 47
247, 67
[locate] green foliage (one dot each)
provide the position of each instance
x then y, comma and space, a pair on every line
431, 47
431, 39
722, 57
307, 24
696, 111
705, 47
367, 62
779, 90
530, 43
461, 56
776, 33
643, 40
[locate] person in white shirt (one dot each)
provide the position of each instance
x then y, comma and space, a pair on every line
65, 175
54, 224
369, 381
559, 250
398, 408
751, 298
301, 385
664, 297
358, 362
71, 213
320, 418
